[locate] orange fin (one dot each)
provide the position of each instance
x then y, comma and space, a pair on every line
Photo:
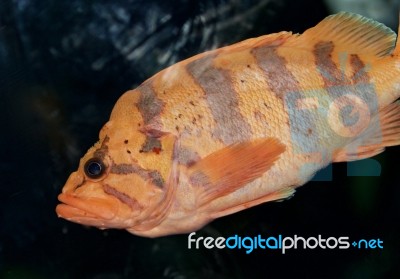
351, 33
383, 131
232, 167
278, 196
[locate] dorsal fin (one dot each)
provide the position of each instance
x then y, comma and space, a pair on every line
351, 33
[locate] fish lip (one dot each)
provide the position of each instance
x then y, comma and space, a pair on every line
71, 213
72, 207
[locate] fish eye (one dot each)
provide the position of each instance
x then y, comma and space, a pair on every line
94, 168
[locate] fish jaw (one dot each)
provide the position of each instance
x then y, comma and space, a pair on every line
87, 203
73, 207
100, 204
177, 221
99, 212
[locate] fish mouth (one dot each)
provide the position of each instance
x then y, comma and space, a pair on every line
88, 211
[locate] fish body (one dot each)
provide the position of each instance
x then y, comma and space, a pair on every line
238, 126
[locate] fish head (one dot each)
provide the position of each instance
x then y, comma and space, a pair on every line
119, 182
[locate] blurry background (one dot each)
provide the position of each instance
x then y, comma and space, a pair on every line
63, 65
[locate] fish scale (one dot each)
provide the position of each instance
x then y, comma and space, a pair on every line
234, 127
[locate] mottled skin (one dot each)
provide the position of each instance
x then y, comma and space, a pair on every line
245, 124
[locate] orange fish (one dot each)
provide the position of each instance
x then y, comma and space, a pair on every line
234, 127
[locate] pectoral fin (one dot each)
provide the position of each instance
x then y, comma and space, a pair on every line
232, 167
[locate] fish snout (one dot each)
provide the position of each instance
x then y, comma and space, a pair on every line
75, 180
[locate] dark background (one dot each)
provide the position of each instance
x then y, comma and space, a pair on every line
63, 65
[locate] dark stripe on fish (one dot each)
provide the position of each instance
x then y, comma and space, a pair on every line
330, 73
337, 84
149, 106
222, 100
186, 156
333, 75
279, 79
103, 150
151, 144
359, 70
131, 202
155, 177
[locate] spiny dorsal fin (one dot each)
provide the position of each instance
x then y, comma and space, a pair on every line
353, 33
